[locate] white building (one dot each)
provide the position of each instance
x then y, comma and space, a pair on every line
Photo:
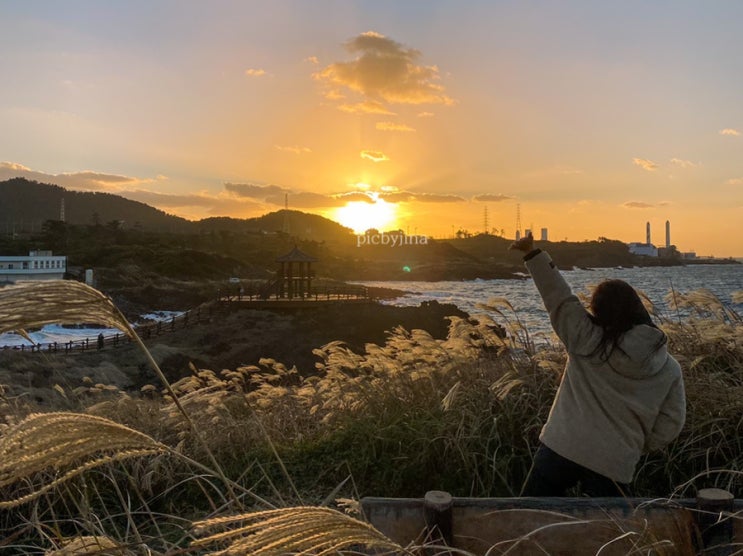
38, 265
647, 249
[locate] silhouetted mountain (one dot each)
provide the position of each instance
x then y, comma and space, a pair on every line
293, 222
25, 205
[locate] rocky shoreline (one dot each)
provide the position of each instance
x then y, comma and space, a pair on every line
232, 337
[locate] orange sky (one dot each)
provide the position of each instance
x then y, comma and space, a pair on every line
593, 118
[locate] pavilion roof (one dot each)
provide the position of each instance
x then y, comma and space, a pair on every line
295, 256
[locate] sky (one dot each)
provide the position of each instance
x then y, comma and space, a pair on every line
586, 118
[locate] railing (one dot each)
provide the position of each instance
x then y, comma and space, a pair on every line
198, 315
323, 293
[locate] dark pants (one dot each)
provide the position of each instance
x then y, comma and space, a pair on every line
553, 475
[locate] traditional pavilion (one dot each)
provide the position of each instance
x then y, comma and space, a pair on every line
294, 275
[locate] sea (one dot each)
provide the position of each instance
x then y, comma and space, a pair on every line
655, 282
51, 333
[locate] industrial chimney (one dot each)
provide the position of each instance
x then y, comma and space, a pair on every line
668, 234
647, 233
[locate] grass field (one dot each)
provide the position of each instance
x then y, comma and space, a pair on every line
168, 468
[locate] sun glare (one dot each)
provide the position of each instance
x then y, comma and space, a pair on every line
360, 216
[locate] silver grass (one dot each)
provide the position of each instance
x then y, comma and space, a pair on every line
34, 304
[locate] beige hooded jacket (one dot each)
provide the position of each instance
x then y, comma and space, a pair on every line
607, 412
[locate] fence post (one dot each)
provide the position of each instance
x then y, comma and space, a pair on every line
437, 510
715, 507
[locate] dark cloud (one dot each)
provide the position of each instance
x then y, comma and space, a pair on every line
218, 205
492, 197
85, 180
355, 196
277, 195
438, 198
637, 205
408, 196
255, 191
397, 197
306, 200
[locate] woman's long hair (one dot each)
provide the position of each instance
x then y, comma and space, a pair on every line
616, 307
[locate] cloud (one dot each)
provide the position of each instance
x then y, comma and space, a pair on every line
86, 180
374, 156
385, 71
637, 205
14, 167
426, 115
366, 107
645, 164
396, 196
312, 60
392, 126
734, 181
337, 95
730, 131
236, 199
492, 197
306, 200
293, 149
438, 198
354, 196
684, 163
277, 195
255, 72
216, 205
255, 191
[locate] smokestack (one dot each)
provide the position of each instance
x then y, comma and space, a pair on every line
668, 233
647, 233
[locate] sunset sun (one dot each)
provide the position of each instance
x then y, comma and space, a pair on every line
360, 215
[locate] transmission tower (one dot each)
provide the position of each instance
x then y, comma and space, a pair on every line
61, 210
485, 219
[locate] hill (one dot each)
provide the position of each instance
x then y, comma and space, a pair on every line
153, 258
25, 205
291, 222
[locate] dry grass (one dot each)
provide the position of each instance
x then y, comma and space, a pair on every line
34, 304
301, 530
65, 445
89, 545
460, 414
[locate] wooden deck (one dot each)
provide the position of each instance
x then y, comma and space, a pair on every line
709, 524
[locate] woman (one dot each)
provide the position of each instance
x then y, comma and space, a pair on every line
621, 394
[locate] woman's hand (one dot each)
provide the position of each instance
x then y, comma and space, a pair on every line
525, 244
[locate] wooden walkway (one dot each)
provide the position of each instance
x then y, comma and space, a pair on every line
199, 315
202, 314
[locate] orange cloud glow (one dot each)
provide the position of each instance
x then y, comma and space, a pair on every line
645, 164
374, 156
392, 126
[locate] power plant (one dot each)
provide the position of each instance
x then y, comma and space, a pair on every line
649, 250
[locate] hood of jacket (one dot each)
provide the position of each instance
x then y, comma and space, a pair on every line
641, 352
